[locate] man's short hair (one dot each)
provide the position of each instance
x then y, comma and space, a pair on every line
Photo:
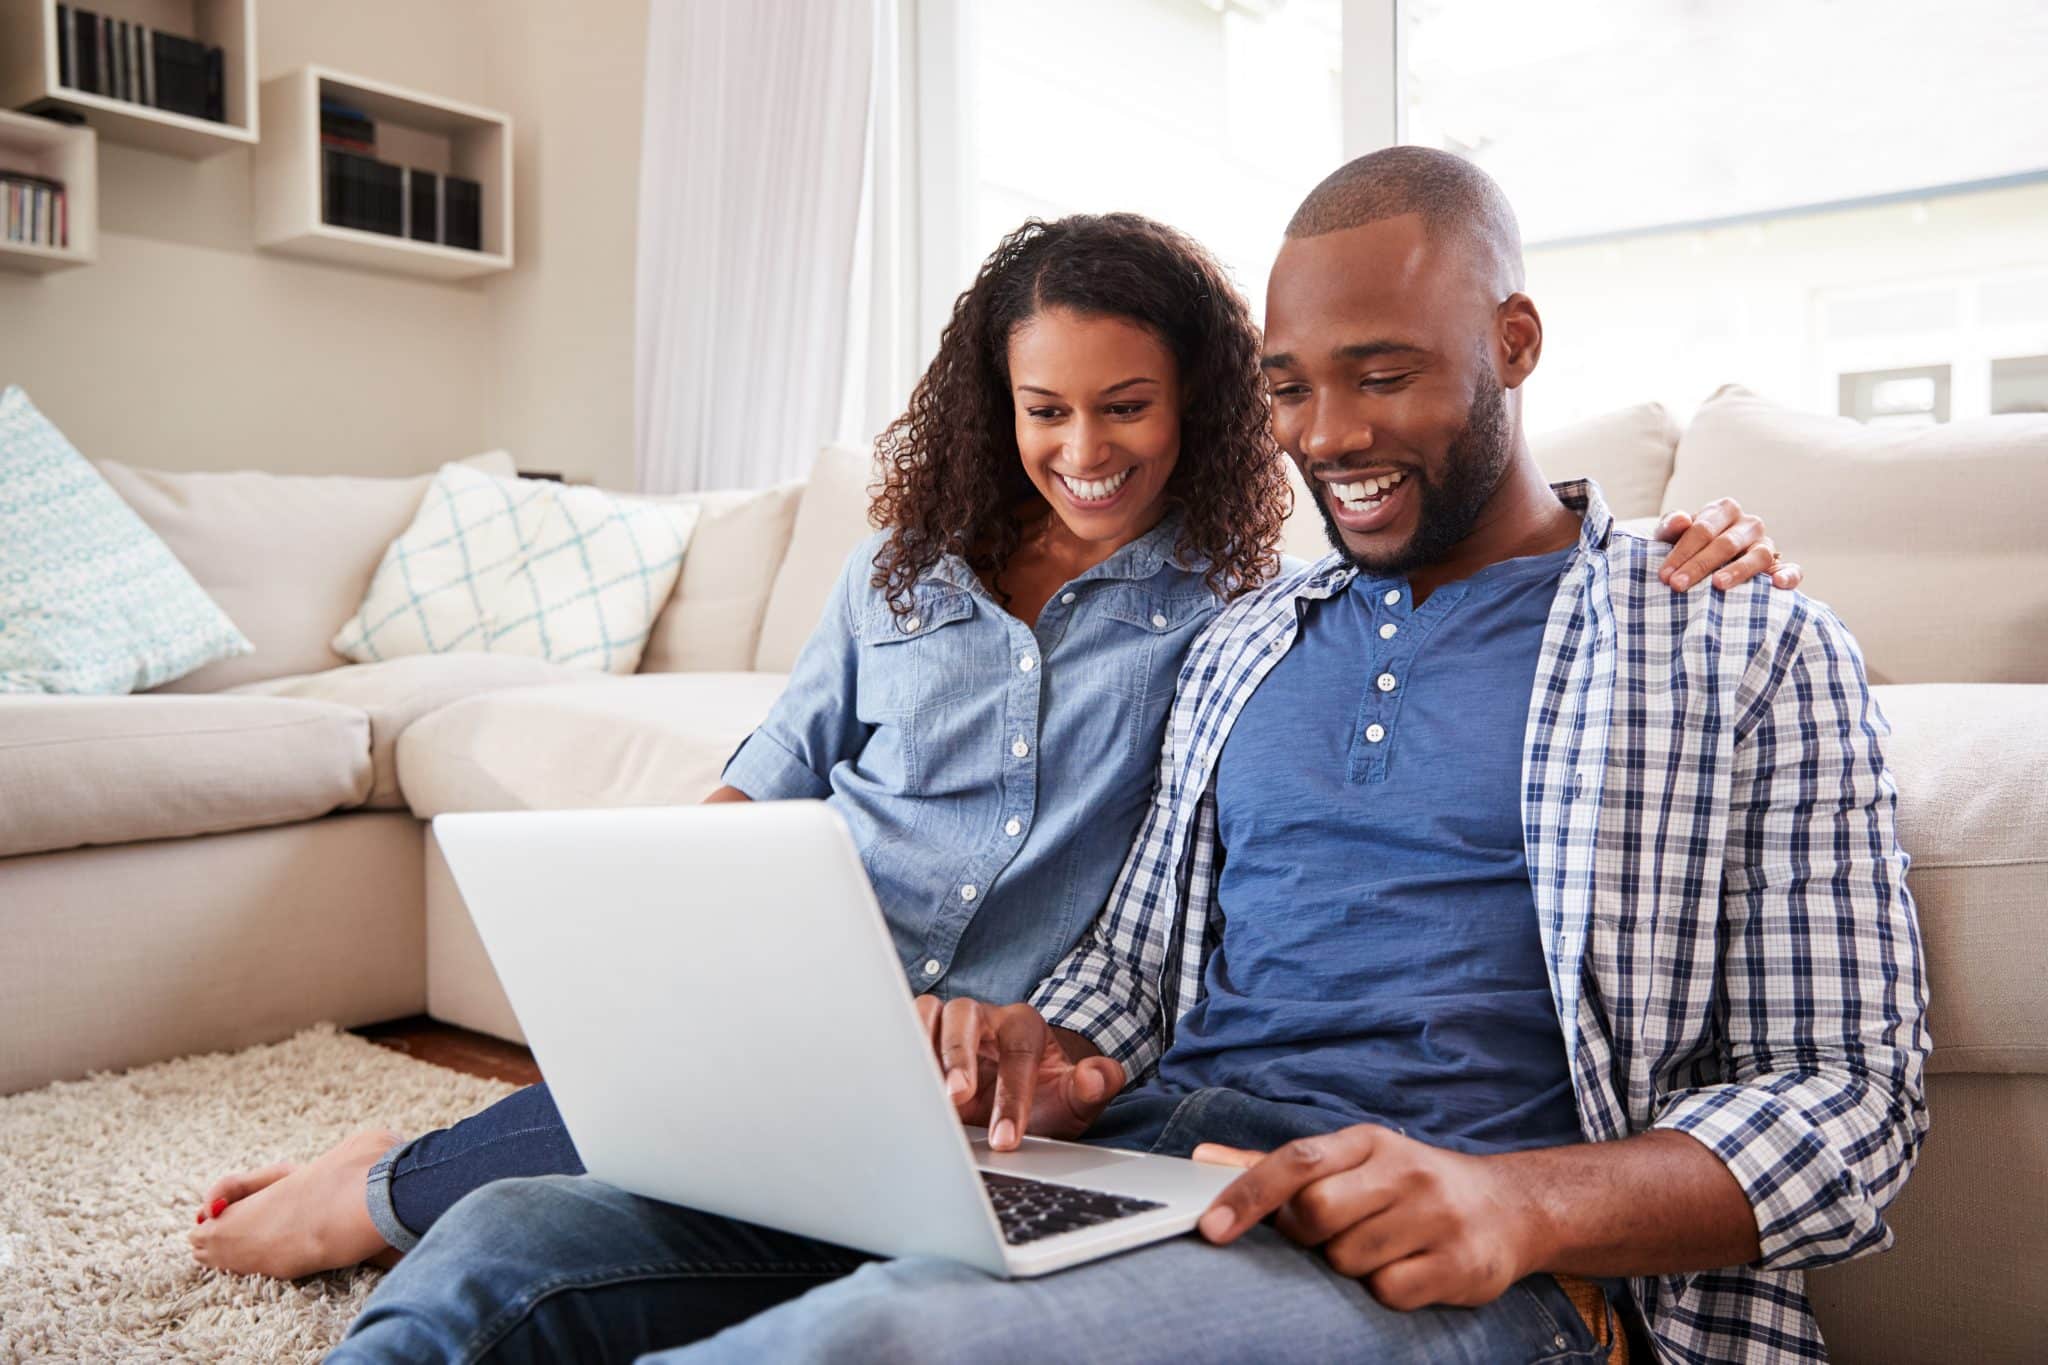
1453, 197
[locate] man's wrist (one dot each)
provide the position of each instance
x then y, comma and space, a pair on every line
1657, 1203
1531, 1233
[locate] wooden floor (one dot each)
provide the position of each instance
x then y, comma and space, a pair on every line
474, 1054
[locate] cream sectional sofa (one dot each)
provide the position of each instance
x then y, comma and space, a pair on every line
242, 853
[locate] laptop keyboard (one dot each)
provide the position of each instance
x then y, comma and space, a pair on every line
1033, 1209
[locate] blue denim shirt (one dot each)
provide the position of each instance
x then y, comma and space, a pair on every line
992, 773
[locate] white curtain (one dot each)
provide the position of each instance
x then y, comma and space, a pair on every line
754, 163
881, 323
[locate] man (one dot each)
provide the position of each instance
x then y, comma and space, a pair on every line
1547, 928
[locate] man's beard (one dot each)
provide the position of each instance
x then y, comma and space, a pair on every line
1473, 466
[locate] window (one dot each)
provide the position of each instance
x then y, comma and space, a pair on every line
1214, 116
2020, 384
1800, 196
1897, 398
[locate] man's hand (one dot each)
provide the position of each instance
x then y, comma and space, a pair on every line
1007, 1068
1418, 1224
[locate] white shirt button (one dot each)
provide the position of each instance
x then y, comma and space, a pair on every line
1158, 621
1385, 682
968, 893
1020, 748
1393, 596
1014, 828
910, 625
931, 968
1026, 664
1375, 733
1389, 631
1067, 598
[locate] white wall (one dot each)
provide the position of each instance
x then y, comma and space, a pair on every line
186, 348
561, 366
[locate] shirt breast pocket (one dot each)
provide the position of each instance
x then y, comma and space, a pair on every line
919, 661
1148, 634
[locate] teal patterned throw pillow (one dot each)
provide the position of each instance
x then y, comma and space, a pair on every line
90, 599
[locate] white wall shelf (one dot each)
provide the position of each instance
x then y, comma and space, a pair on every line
30, 72
419, 131
55, 151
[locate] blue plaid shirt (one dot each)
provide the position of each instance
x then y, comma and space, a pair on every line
1709, 829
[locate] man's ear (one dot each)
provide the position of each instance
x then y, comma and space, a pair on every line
1519, 330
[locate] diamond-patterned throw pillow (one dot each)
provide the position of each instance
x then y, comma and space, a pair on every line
523, 566
91, 600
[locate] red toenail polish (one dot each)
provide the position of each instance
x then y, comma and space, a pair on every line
218, 1205
202, 1215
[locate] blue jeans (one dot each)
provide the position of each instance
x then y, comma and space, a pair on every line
419, 1180
561, 1268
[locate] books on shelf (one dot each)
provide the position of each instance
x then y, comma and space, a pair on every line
462, 213
363, 193
423, 206
37, 212
369, 195
345, 126
129, 61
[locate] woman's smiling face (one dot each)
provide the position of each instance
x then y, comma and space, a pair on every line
1098, 405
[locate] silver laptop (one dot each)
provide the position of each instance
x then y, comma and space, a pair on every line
714, 998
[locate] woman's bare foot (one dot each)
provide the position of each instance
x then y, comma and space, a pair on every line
286, 1221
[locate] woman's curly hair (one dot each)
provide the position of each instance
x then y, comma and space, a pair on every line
951, 476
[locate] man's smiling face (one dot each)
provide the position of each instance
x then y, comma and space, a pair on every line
1380, 353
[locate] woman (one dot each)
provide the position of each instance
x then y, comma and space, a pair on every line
1083, 477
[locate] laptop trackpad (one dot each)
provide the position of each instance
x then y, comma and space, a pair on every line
1042, 1159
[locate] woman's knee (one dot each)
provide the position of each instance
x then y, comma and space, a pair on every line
536, 1208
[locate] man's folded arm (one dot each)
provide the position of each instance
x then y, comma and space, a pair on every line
1821, 1112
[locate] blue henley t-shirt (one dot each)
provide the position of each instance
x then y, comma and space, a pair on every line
1380, 957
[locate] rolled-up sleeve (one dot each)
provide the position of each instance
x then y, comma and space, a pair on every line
1822, 979
815, 723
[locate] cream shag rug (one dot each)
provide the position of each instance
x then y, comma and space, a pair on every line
100, 1178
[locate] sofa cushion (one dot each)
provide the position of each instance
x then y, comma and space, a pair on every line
655, 739
1629, 453
398, 692
287, 557
1971, 762
1925, 542
91, 600
522, 566
712, 622
110, 770
830, 521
